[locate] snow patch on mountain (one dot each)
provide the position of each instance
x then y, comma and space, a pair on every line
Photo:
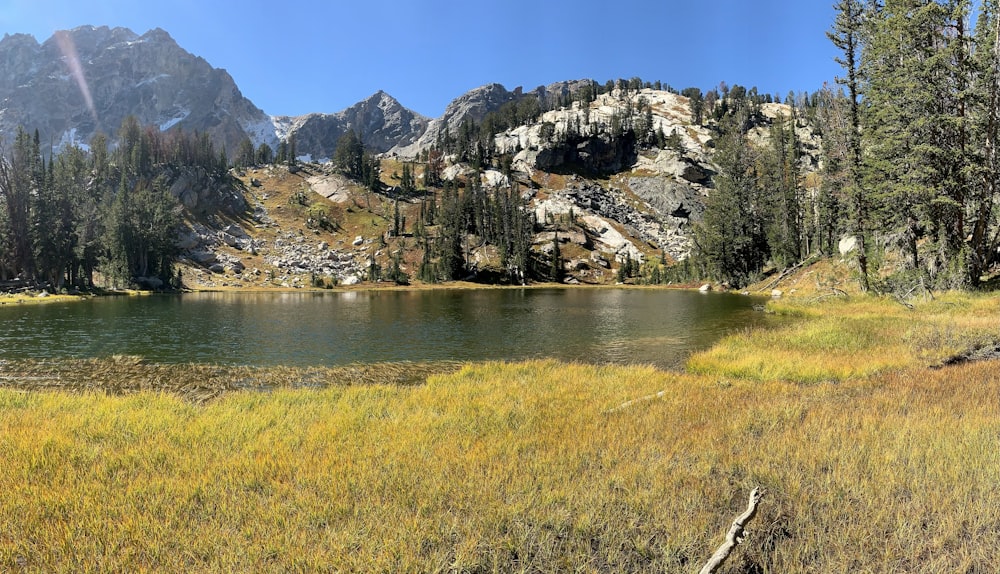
176, 119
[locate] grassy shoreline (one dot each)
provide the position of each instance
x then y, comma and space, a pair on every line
872, 459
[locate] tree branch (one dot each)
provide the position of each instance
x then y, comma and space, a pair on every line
735, 534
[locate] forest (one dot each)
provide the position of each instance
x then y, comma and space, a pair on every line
910, 165
105, 211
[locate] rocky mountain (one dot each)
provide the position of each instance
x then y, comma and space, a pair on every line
380, 121
93, 77
475, 104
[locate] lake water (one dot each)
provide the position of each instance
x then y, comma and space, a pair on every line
661, 327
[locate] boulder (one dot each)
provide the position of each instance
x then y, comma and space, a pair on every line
493, 178
187, 239
599, 259
231, 240
236, 231
776, 293
705, 288
847, 244
203, 257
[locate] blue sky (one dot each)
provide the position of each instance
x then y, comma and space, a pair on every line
293, 57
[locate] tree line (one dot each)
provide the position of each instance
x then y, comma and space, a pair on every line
910, 168
98, 211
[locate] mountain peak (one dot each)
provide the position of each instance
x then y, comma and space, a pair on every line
19, 40
157, 35
92, 77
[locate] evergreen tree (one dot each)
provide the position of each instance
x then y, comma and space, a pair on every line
17, 185
915, 127
556, 267
847, 37
730, 239
784, 232
292, 154
984, 172
348, 155
245, 156
264, 155
697, 104
281, 156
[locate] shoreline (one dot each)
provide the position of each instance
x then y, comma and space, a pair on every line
18, 299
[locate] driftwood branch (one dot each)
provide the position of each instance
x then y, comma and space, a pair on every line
735, 534
784, 274
627, 404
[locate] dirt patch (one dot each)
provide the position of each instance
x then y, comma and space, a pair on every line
199, 383
988, 353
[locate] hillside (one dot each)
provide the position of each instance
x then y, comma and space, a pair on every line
574, 182
610, 202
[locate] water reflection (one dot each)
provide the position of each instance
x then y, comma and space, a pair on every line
589, 325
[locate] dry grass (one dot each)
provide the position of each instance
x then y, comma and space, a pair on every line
886, 466
841, 339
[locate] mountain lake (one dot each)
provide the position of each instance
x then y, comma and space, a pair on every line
623, 326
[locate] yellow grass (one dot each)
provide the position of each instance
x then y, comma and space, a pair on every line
840, 339
887, 466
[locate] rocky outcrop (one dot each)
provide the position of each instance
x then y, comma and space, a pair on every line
93, 77
475, 104
472, 105
599, 154
380, 121
670, 198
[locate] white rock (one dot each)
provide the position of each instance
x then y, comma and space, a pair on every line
705, 288
493, 178
776, 293
358, 241
847, 244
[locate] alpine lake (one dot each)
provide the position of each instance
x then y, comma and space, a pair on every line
621, 326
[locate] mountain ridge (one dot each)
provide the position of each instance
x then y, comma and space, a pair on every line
95, 76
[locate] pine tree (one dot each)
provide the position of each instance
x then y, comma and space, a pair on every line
556, 270
292, 154
731, 239
349, 155
916, 65
846, 36
245, 156
784, 234
264, 155
984, 173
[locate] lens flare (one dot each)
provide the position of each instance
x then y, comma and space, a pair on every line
68, 49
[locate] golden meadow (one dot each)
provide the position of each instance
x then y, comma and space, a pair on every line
875, 455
